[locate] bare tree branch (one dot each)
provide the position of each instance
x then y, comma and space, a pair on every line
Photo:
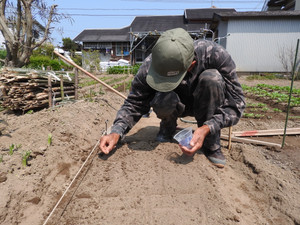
21, 27
47, 28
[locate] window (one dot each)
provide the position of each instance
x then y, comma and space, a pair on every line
122, 49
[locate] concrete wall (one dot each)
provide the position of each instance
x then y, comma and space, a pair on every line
297, 5
255, 44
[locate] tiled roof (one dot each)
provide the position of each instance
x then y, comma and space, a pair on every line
103, 35
141, 24
161, 23
144, 24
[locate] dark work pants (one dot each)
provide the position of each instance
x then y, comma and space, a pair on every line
207, 97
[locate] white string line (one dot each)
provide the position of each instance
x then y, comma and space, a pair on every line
71, 183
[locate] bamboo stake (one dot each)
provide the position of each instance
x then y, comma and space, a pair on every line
90, 75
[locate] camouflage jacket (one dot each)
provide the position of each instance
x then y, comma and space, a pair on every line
208, 55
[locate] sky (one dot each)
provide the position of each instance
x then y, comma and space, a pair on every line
105, 14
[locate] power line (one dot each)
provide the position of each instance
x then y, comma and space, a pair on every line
122, 15
108, 15
209, 1
95, 9
101, 9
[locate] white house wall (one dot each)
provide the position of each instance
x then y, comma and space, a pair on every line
255, 44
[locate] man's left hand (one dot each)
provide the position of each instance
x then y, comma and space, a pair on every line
197, 140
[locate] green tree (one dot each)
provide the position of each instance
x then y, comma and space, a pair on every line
69, 44
25, 25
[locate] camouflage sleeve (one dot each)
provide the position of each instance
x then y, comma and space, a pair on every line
232, 109
136, 104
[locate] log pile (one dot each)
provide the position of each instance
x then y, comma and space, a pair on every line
25, 90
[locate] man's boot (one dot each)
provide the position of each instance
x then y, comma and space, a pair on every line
167, 130
216, 157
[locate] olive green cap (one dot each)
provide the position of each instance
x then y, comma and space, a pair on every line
172, 55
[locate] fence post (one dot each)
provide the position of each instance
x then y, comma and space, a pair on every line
76, 84
49, 91
62, 87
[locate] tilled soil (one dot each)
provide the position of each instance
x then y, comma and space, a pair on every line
142, 182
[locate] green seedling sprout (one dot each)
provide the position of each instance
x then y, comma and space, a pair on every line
25, 157
49, 139
277, 110
11, 149
1, 158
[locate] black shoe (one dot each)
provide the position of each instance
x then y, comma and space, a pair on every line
215, 157
163, 138
167, 130
165, 135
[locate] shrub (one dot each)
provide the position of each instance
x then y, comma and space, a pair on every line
38, 62
77, 59
46, 49
136, 68
2, 53
123, 69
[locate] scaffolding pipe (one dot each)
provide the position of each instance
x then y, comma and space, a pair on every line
139, 43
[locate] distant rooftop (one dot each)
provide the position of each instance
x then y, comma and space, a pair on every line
192, 21
204, 14
161, 23
259, 14
103, 35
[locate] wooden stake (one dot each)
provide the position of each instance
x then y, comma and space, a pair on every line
76, 84
289, 131
49, 91
250, 141
229, 138
62, 87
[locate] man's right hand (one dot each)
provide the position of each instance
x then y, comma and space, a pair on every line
108, 142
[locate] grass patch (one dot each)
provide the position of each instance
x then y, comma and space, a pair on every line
262, 77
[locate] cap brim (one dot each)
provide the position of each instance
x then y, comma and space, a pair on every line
163, 83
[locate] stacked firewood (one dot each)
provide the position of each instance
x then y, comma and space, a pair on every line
25, 90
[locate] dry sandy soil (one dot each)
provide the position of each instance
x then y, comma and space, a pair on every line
142, 182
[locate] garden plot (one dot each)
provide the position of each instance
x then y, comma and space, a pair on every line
275, 96
91, 88
142, 182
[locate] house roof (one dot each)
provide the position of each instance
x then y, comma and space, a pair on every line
253, 15
161, 24
192, 21
204, 14
226, 15
103, 35
140, 24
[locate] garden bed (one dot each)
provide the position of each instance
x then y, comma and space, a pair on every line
142, 182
